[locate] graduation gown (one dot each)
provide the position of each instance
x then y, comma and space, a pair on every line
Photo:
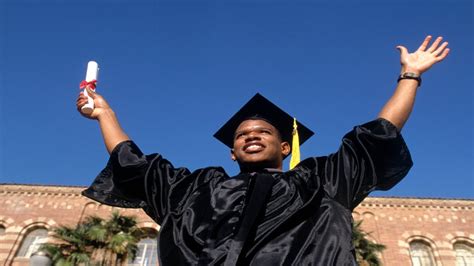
298, 217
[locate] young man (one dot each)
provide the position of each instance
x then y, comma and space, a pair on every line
263, 216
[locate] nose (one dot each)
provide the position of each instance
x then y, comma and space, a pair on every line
252, 136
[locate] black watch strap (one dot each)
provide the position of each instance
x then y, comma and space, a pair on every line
410, 75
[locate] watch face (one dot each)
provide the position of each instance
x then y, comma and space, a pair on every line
410, 75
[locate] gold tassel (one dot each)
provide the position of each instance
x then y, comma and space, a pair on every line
295, 146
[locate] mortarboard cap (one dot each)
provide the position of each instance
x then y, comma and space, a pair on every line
260, 108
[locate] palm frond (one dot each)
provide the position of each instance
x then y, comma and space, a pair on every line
366, 250
96, 241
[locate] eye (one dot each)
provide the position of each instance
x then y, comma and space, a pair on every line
265, 131
239, 135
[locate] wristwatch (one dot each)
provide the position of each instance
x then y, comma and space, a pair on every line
410, 75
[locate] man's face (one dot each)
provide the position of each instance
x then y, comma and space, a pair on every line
257, 144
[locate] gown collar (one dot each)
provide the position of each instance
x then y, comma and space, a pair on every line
263, 171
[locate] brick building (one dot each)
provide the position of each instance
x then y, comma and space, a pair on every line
415, 231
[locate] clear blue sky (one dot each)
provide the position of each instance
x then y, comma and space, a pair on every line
174, 71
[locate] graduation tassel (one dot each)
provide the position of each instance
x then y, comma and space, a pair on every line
295, 146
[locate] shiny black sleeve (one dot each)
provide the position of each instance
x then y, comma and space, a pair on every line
134, 180
372, 156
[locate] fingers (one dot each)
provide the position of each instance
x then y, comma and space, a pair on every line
81, 98
403, 50
81, 101
440, 49
443, 55
91, 93
435, 44
440, 52
425, 43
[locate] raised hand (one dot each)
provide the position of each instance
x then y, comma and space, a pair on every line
109, 125
100, 104
423, 58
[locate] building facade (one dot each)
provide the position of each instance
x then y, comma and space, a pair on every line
415, 231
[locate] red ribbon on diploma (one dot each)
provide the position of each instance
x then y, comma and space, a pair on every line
92, 84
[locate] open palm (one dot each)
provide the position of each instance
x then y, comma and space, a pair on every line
423, 58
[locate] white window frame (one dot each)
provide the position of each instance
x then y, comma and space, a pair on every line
421, 254
464, 254
33, 241
141, 259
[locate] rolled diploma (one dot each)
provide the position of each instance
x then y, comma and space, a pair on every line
91, 74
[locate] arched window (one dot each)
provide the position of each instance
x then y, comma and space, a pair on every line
2, 231
147, 251
421, 254
464, 254
32, 242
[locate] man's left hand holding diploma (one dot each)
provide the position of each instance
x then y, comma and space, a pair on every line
112, 132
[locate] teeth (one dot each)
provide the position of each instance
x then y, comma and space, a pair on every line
254, 147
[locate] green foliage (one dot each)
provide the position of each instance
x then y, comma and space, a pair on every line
366, 250
96, 241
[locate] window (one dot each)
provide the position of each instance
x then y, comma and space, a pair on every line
2, 231
464, 254
32, 242
147, 253
147, 250
421, 254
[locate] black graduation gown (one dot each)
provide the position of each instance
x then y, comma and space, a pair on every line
304, 219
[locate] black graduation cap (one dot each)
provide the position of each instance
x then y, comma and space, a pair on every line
260, 108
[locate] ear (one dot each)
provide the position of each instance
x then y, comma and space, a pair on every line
285, 148
232, 155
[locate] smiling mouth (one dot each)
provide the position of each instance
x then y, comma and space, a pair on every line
253, 148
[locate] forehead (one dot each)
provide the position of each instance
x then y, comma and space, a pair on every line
254, 123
